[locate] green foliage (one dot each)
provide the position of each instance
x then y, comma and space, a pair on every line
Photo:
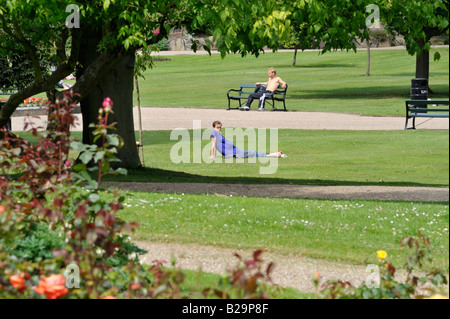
240, 27
162, 45
37, 244
416, 20
335, 24
98, 157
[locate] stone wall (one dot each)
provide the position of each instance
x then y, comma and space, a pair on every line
179, 40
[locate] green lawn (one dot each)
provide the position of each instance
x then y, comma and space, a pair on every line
316, 157
333, 82
346, 230
395, 158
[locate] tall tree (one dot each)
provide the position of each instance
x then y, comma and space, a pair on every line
417, 21
101, 51
102, 48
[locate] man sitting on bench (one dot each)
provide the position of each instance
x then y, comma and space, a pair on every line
271, 86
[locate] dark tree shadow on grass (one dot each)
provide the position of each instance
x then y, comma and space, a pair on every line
155, 175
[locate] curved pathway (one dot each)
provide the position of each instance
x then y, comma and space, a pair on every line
161, 118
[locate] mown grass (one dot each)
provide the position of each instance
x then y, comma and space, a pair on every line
333, 82
345, 230
390, 158
395, 158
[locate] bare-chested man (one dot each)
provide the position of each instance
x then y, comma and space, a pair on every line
271, 85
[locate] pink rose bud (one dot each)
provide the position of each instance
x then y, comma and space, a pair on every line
107, 104
67, 163
156, 32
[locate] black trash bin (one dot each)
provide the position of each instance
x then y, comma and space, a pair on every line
419, 90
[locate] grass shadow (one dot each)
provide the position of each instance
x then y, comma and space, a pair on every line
155, 175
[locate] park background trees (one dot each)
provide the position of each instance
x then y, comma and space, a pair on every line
337, 24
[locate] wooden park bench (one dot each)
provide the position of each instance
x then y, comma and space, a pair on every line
419, 108
246, 89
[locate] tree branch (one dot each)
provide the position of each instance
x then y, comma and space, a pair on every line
31, 50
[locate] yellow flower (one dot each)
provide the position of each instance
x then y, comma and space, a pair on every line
381, 254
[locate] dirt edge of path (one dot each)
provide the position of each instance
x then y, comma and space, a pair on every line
389, 193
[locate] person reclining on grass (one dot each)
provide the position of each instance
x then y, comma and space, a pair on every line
271, 86
228, 149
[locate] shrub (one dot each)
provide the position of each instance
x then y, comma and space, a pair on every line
163, 45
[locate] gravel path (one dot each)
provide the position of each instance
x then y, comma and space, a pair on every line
158, 118
290, 270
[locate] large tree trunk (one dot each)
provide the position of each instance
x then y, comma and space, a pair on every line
294, 62
117, 84
423, 62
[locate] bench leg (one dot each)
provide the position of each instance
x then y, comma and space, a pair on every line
413, 123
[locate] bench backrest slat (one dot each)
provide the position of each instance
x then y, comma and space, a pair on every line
280, 90
427, 102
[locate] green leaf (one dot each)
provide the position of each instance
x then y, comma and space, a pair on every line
106, 4
79, 167
443, 24
77, 146
437, 56
94, 197
99, 155
317, 27
121, 171
113, 140
86, 157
